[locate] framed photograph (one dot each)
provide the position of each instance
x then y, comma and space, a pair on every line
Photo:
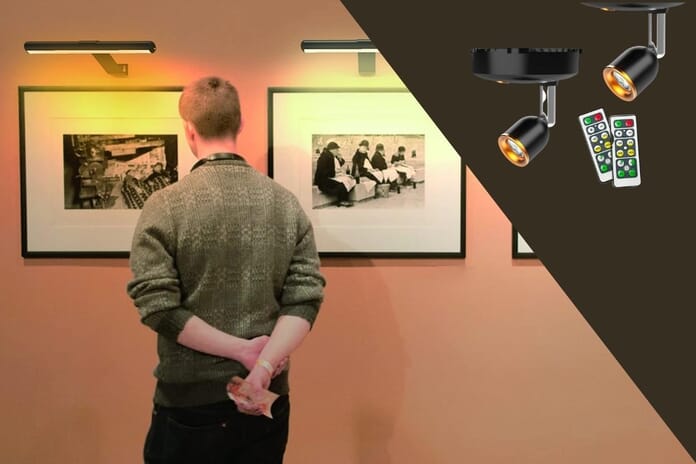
89, 159
520, 248
371, 169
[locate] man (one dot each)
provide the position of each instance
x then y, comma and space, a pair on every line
330, 177
362, 166
220, 260
157, 179
379, 162
398, 161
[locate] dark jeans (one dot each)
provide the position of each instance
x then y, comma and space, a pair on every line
217, 434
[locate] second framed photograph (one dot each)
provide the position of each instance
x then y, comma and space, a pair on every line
371, 169
520, 247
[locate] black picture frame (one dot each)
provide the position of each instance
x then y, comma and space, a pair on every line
46, 114
520, 248
290, 163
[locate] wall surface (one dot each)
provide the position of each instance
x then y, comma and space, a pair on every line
480, 360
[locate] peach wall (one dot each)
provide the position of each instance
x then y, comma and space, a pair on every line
481, 360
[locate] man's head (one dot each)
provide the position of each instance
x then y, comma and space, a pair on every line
363, 146
333, 148
379, 147
157, 167
402, 150
210, 110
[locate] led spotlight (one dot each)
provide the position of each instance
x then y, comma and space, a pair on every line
632, 71
525, 139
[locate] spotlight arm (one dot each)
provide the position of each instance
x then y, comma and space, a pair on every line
657, 19
110, 65
547, 102
657, 26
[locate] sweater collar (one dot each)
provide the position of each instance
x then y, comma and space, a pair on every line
217, 157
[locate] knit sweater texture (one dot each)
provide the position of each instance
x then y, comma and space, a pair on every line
233, 247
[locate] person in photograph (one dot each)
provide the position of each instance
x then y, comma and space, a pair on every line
158, 178
225, 270
134, 191
330, 176
398, 162
362, 167
379, 162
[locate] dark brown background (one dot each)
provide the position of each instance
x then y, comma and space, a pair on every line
623, 256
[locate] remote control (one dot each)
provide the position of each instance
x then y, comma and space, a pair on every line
595, 128
626, 166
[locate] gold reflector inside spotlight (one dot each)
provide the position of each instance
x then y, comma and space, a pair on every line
513, 150
619, 83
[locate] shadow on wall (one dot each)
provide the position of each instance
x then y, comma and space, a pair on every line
377, 363
361, 376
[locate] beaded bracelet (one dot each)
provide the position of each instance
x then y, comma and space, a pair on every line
266, 365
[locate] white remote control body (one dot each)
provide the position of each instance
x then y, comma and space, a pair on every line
597, 132
626, 165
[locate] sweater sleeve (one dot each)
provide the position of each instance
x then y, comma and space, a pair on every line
303, 289
155, 287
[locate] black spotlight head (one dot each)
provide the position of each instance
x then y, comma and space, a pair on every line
524, 140
631, 72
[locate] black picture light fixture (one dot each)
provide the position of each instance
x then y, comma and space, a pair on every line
364, 48
101, 50
542, 66
635, 69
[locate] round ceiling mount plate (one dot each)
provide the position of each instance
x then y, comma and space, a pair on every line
653, 7
525, 65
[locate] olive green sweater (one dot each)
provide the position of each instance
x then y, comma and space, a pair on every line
233, 247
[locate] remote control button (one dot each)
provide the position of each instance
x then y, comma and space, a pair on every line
630, 143
607, 145
632, 162
587, 120
620, 163
620, 153
631, 152
604, 168
629, 133
619, 143
601, 126
621, 174
591, 130
594, 139
598, 117
605, 135
629, 123
618, 123
607, 161
597, 149
626, 168
632, 173
600, 158
619, 133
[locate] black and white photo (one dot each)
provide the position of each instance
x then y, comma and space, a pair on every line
90, 157
116, 171
371, 169
353, 169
